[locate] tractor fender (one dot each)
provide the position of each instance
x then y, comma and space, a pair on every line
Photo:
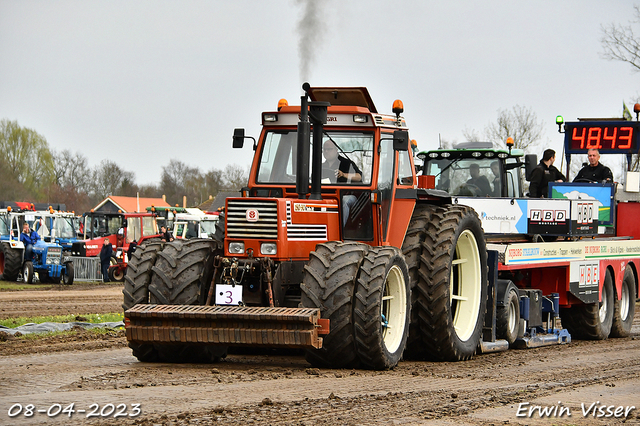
16, 244
502, 289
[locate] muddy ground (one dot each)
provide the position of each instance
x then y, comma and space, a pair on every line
283, 389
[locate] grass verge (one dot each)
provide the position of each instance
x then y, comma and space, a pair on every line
92, 318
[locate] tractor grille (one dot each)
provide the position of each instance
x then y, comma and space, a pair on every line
265, 227
307, 232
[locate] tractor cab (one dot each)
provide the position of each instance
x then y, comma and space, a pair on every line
477, 169
165, 216
58, 227
332, 168
121, 229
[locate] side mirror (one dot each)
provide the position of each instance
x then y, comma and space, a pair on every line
530, 163
401, 140
238, 138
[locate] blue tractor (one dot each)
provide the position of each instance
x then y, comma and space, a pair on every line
48, 261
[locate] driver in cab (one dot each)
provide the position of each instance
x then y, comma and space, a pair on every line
479, 181
337, 168
595, 171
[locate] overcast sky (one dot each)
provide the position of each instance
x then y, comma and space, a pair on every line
143, 82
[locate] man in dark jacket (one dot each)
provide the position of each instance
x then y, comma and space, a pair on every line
165, 235
29, 238
337, 168
595, 171
105, 259
479, 181
544, 173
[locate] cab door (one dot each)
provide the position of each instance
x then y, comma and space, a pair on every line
396, 189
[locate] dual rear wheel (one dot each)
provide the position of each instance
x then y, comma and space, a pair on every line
364, 292
447, 259
176, 273
612, 316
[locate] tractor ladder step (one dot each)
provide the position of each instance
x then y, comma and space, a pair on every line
226, 325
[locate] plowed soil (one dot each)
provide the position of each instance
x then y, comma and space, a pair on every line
282, 388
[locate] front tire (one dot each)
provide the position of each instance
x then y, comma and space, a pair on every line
136, 290
117, 273
328, 283
508, 317
68, 276
181, 276
27, 272
591, 321
138, 275
448, 261
625, 306
382, 308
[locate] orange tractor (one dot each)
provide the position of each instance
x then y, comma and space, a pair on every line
335, 246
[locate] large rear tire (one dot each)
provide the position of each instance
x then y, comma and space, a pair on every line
382, 309
448, 268
10, 262
181, 276
625, 306
328, 283
591, 321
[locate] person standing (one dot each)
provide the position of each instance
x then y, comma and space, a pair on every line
105, 259
544, 173
595, 171
29, 238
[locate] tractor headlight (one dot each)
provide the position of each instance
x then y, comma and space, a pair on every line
236, 248
268, 248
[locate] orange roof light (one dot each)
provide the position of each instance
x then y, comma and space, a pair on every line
8, 208
282, 103
509, 141
398, 107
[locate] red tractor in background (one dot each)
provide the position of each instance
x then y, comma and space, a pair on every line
122, 230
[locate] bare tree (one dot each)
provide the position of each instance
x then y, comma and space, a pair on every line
178, 180
235, 177
108, 178
71, 170
519, 123
620, 44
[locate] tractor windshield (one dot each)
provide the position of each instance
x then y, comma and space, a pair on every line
208, 227
102, 226
347, 158
466, 176
64, 227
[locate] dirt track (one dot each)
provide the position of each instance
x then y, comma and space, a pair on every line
283, 389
